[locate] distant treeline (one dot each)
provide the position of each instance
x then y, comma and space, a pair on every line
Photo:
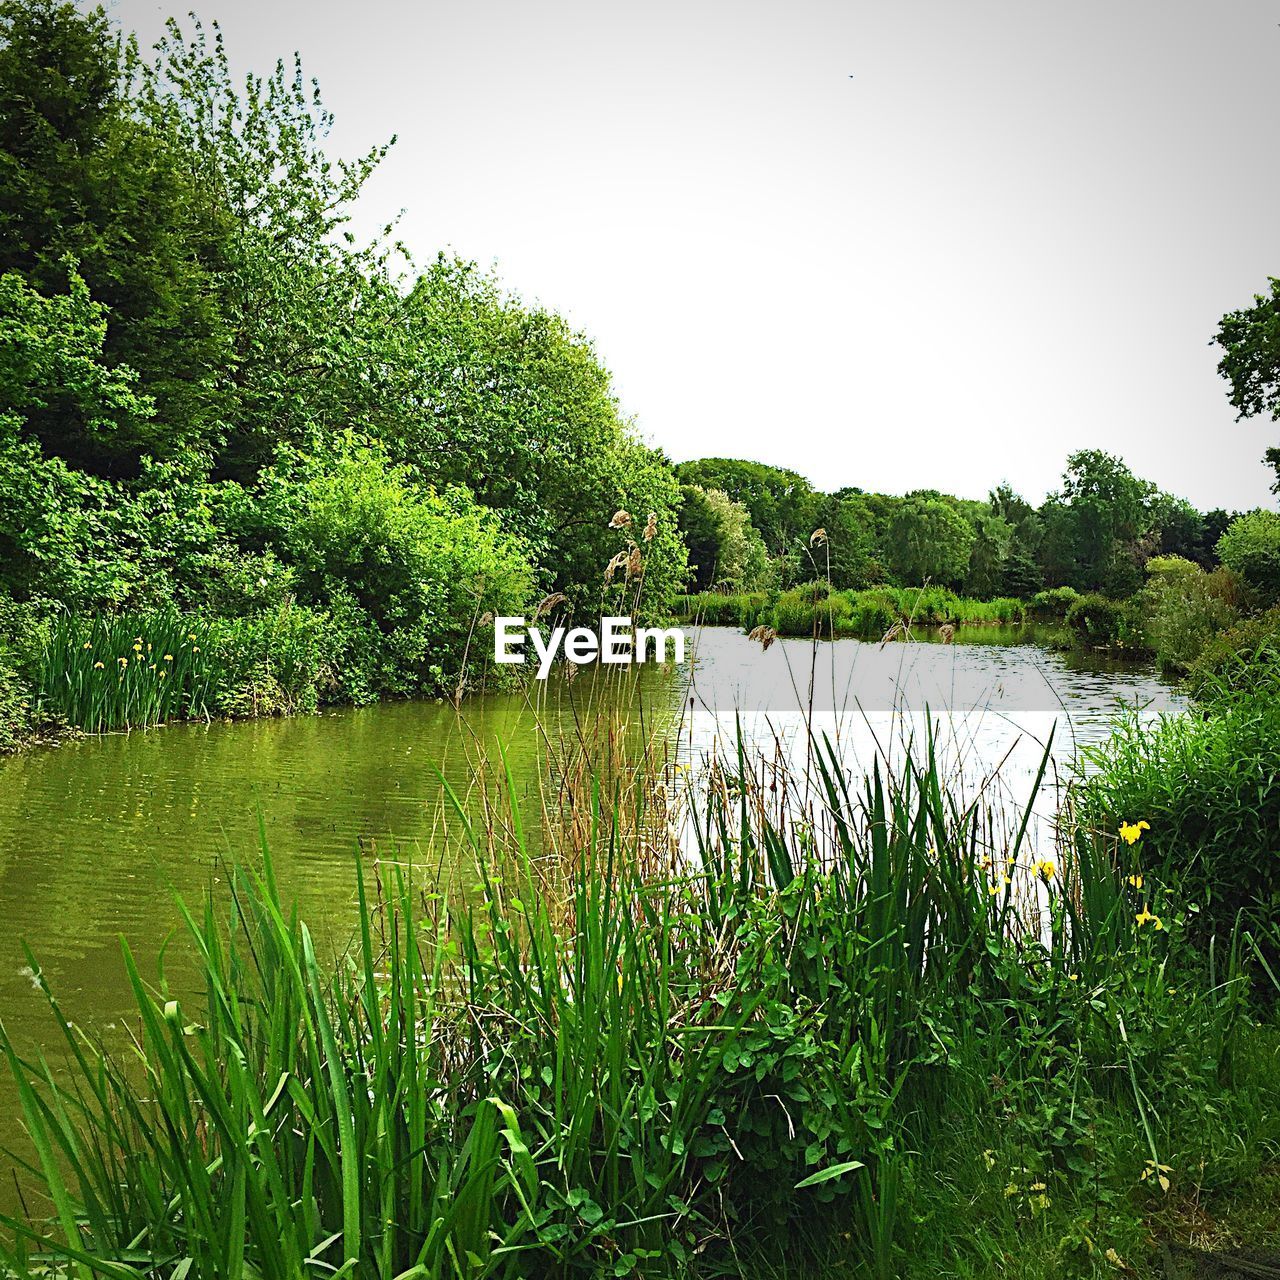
754, 527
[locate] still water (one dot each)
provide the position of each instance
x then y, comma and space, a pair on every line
97, 837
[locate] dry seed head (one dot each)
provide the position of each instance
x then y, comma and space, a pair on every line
818, 538
635, 563
651, 527
764, 635
547, 603
618, 562
621, 519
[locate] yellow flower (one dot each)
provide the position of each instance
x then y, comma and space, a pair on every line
1045, 868
124, 662
162, 674
1131, 832
88, 644
1145, 917
191, 635
137, 648
97, 666
195, 648
168, 657
1136, 881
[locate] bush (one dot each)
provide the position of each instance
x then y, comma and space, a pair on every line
277, 663
1209, 786
1251, 547
1245, 657
1052, 605
1097, 622
1185, 609
423, 566
811, 609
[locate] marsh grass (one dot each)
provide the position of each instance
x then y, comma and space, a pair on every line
127, 671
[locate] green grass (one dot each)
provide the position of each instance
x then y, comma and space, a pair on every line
868, 1031
127, 671
869, 614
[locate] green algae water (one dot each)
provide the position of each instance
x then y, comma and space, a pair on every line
98, 837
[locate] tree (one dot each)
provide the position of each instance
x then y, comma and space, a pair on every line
1095, 525
782, 504
91, 184
1250, 341
1251, 548
724, 547
928, 539
992, 545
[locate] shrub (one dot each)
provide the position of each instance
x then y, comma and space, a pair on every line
1247, 656
1209, 786
811, 609
1052, 605
1097, 622
276, 663
1185, 609
1251, 547
423, 566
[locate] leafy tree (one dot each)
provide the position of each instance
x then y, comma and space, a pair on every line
992, 545
1251, 548
850, 550
1250, 341
90, 184
724, 547
928, 539
1096, 524
782, 504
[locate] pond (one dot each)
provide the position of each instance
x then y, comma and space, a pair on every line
98, 836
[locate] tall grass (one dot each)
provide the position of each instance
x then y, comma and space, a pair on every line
814, 608
126, 671
663, 1069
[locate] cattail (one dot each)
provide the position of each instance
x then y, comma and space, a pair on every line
818, 538
651, 527
621, 519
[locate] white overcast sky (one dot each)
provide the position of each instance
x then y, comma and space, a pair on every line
897, 245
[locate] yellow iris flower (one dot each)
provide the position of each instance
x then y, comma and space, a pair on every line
1131, 832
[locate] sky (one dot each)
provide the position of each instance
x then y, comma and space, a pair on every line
895, 245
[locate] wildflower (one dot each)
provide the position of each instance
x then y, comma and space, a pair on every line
97, 666
621, 519
1073, 977
1131, 832
124, 662
191, 635
87, 645
1136, 881
162, 674
1044, 867
195, 648
1145, 917
168, 657
137, 648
